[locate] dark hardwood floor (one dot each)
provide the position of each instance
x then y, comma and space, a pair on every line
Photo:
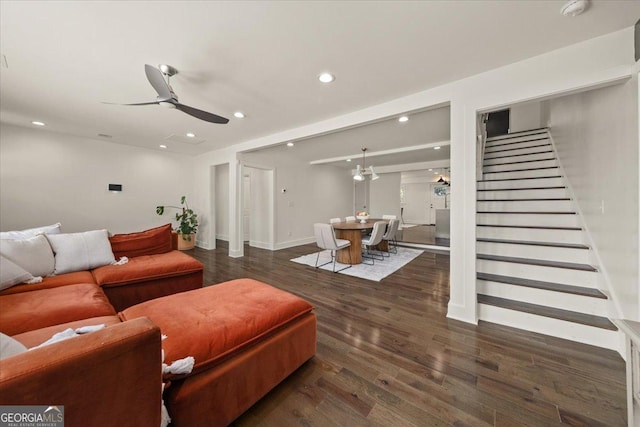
422, 234
388, 356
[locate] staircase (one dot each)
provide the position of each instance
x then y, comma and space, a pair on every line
533, 268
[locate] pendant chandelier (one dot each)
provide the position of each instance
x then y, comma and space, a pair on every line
361, 171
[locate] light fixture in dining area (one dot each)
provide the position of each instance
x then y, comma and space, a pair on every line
361, 171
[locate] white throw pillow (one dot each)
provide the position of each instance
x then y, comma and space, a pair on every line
10, 346
30, 232
11, 274
81, 251
33, 254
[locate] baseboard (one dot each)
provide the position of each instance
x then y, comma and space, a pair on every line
224, 237
261, 245
293, 243
461, 313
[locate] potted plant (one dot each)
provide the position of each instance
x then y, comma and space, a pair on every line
187, 224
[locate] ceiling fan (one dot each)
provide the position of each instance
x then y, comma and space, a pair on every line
168, 98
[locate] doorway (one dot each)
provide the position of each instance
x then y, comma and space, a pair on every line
498, 123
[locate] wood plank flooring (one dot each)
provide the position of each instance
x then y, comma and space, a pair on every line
388, 356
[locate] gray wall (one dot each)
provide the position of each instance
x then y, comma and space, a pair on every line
48, 177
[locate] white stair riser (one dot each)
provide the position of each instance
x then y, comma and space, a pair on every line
549, 253
525, 136
566, 276
551, 193
511, 152
531, 220
522, 174
521, 183
548, 326
517, 145
519, 159
525, 206
560, 300
520, 166
532, 234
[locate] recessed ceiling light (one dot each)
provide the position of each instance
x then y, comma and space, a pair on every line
191, 135
289, 144
348, 160
37, 123
326, 77
574, 7
403, 119
239, 115
430, 170
436, 148
163, 146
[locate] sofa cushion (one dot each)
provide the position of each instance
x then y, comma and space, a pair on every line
147, 267
38, 336
52, 282
215, 322
30, 232
12, 274
33, 254
149, 242
81, 251
28, 311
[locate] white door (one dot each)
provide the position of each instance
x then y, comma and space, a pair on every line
416, 203
246, 208
437, 196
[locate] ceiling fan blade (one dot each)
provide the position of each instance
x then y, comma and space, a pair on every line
139, 103
157, 81
202, 115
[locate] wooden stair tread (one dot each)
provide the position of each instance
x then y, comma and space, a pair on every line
523, 170
537, 227
556, 187
515, 149
520, 179
533, 243
516, 155
526, 200
527, 213
522, 161
547, 286
511, 135
538, 262
555, 313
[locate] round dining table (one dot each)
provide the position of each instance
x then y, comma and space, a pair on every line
352, 231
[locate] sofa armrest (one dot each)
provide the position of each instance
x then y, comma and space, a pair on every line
109, 377
174, 240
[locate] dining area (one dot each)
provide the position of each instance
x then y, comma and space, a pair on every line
357, 239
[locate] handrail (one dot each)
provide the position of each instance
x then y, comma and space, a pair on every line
481, 139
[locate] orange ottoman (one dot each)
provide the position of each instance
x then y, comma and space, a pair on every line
245, 336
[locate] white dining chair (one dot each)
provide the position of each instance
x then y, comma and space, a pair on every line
350, 219
388, 217
390, 235
326, 239
373, 240
335, 220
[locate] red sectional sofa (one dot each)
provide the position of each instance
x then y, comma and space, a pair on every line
245, 336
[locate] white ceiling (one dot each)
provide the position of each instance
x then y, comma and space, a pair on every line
65, 58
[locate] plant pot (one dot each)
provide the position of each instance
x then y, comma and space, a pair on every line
186, 241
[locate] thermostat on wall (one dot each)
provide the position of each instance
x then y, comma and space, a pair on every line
115, 187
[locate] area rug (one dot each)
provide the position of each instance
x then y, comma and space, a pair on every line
376, 272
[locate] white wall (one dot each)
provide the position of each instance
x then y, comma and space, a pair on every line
385, 195
48, 177
262, 203
525, 116
222, 201
314, 193
596, 137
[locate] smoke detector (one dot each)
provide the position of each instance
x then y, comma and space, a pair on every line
574, 7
